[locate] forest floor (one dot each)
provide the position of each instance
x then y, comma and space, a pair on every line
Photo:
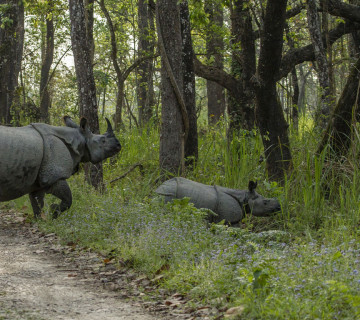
43, 279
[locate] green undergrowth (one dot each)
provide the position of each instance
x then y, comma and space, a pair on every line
300, 264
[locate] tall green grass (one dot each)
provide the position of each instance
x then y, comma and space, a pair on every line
300, 264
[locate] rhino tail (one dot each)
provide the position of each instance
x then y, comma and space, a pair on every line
168, 188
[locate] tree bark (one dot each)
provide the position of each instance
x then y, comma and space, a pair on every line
324, 109
145, 86
89, 18
269, 113
11, 50
173, 129
214, 46
241, 109
295, 84
338, 131
295, 100
47, 59
191, 143
85, 78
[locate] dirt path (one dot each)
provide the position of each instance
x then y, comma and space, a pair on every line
39, 281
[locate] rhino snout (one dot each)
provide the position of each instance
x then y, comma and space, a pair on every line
264, 207
118, 146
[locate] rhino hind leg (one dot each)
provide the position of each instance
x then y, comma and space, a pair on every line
37, 202
61, 190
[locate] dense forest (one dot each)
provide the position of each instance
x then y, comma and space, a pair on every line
221, 92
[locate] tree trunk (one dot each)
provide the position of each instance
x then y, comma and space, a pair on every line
355, 36
269, 113
85, 78
119, 74
172, 125
241, 110
89, 18
191, 143
146, 46
47, 59
214, 46
295, 83
295, 100
338, 131
11, 50
325, 107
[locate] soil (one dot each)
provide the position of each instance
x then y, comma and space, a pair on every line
42, 279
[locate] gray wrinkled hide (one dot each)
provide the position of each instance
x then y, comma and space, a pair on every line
38, 158
229, 204
19, 162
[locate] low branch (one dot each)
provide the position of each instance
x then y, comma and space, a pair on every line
130, 111
300, 55
341, 9
132, 168
217, 75
137, 62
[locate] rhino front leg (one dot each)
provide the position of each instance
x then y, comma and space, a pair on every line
62, 191
37, 202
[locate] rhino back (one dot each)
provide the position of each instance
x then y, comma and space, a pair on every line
21, 153
201, 195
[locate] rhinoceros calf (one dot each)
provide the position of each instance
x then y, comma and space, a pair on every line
230, 205
37, 159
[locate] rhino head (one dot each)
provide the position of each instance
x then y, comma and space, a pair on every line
258, 205
98, 146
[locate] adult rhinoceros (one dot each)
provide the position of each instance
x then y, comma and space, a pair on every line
37, 159
230, 205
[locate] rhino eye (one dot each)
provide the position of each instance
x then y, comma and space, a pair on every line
103, 140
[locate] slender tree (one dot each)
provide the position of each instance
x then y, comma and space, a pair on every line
175, 123
295, 84
241, 109
191, 143
122, 72
46, 61
146, 46
324, 109
269, 113
214, 55
338, 132
89, 22
11, 51
85, 78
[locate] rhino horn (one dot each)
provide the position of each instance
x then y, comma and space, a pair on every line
109, 127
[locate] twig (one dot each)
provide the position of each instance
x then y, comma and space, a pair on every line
132, 168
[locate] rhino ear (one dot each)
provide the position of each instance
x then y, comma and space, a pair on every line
70, 123
252, 186
83, 123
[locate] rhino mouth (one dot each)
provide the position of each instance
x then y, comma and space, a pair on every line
266, 212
